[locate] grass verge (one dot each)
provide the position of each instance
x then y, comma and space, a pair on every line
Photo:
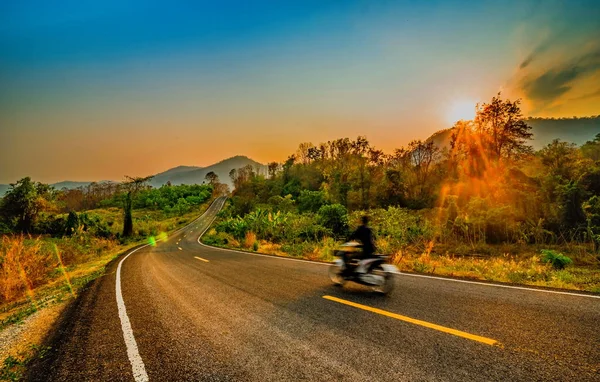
42, 274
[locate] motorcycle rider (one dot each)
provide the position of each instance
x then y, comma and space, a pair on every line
364, 234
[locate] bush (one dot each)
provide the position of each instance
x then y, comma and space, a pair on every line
52, 225
558, 260
335, 218
237, 227
311, 201
72, 224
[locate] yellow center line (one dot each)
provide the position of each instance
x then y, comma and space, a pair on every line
426, 324
199, 258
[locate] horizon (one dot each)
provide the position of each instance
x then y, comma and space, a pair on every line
94, 91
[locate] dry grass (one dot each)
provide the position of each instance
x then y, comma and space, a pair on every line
249, 240
29, 262
522, 269
31, 267
23, 266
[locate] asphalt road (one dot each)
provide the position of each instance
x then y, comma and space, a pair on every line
203, 314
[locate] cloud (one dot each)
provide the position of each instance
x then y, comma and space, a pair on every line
540, 49
545, 88
588, 95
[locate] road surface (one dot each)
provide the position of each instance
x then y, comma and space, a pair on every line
187, 312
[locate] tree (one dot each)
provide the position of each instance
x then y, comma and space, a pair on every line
273, 169
131, 187
503, 129
498, 132
212, 178
591, 149
561, 158
72, 223
23, 202
422, 156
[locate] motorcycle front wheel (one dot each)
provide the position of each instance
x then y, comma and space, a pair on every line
335, 274
388, 281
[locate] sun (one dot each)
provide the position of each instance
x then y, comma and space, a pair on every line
461, 110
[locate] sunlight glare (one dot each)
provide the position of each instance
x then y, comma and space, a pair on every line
461, 110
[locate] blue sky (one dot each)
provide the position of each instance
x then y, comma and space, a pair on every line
257, 78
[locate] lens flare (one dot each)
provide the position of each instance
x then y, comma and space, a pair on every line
152, 241
63, 270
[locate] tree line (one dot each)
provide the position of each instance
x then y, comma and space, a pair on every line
488, 186
38, 208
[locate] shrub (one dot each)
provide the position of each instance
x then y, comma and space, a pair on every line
334, 217
72, 224
236, 227
558, 260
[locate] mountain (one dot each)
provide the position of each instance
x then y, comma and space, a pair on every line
196, 175
545, 130
180, 175
576, 130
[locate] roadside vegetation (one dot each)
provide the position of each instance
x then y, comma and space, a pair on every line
54, 242
485, 207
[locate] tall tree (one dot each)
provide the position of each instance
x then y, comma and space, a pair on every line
502, 128
212, 178
131, 187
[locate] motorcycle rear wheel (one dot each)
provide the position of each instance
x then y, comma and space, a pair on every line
388, 283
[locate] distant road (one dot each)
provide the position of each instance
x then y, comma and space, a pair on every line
186, 312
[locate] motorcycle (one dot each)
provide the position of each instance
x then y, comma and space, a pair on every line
374, 271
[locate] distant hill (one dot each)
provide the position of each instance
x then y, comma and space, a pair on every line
193, 175
576, 130
180, 175
545, 130
69, 185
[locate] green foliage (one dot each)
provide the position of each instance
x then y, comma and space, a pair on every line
282, 204
572, 197
72, 223
311, 201
22, 203
174, 200
236, 227
335, 218
558, 260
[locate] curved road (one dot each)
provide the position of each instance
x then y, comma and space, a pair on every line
202, 314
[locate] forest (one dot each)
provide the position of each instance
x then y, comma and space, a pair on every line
487, 198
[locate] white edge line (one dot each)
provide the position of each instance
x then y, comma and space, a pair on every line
137, 364
500, 285
398, 273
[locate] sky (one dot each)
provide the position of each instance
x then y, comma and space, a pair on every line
95, 90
